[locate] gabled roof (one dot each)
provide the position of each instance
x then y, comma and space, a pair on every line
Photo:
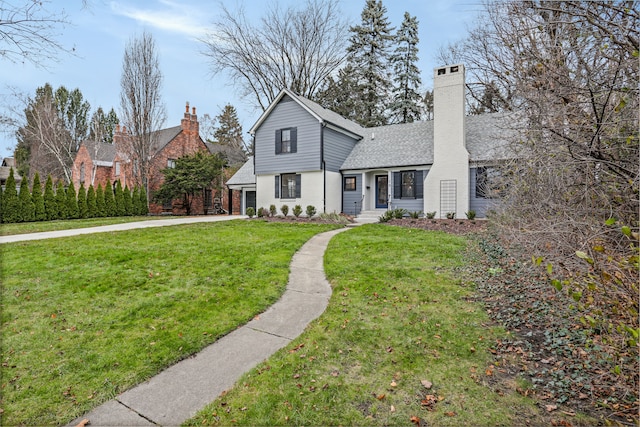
245, 175
411, 144
163, 137
317, 111
100, 151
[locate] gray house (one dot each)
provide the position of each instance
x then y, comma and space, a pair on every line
307, 155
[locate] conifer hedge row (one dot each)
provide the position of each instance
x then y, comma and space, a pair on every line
34, 205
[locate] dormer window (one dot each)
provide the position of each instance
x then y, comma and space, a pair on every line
286, 140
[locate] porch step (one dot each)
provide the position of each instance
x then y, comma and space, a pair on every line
370, 216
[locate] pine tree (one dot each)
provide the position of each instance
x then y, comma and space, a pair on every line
128, 206
38, 200
91, 202
72, 202
50, 204
11, 204
82, 201
61, 201
109, 202
119, 199
144, 203
369, 55
341, 95
26, 205
135, 201
100, 206
405, 107
1, 204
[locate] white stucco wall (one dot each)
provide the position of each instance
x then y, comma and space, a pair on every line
450, 156
312, 184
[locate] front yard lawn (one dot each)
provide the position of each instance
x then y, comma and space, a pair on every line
85, 318
401, 342
40, 226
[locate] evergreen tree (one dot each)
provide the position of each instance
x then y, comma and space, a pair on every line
135, 201
100, 206
109, 202
369, 55
50, 204
229, 134
82, 201
61, 201
128, 206
405, 107
119, 199
144, 203
38, 200
26, 205
72, 202
341, 95
91, 202
1, 204
11, 204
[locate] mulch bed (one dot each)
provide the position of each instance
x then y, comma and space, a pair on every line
454, 226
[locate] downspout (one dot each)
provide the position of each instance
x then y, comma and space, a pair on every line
323, 166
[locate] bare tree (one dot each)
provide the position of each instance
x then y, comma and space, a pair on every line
570, 69
292, 48
143, 112
50, 148
29, 32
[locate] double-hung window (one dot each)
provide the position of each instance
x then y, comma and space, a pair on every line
349, 183
288, 186
487, 182
408, 185
171, 163
286, 140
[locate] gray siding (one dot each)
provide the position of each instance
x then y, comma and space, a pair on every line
288, 114
352, 200
337, 147
478, 204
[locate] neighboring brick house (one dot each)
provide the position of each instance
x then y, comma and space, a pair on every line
102, 163
9, 163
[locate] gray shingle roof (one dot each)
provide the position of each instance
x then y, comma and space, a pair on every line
100, 151
245, 174
411, 144
163, 137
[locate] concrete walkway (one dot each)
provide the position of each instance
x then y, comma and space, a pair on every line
178, 393
116, 227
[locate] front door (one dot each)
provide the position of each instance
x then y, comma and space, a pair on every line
382, 191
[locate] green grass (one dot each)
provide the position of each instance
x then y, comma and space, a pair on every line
37, 227
85, 318
397, 316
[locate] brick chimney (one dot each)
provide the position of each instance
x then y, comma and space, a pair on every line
189, 122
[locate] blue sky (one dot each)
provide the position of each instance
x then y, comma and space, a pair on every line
100, 32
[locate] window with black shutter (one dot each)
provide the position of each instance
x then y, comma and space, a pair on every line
286, 141
408, 185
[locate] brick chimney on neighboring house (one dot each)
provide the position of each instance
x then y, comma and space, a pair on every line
189, 122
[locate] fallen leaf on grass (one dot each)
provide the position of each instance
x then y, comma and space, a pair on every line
550, 408
393, 408
393, 384
415, 420
450, 414
380, 396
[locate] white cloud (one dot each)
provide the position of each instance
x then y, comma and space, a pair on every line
168, 16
